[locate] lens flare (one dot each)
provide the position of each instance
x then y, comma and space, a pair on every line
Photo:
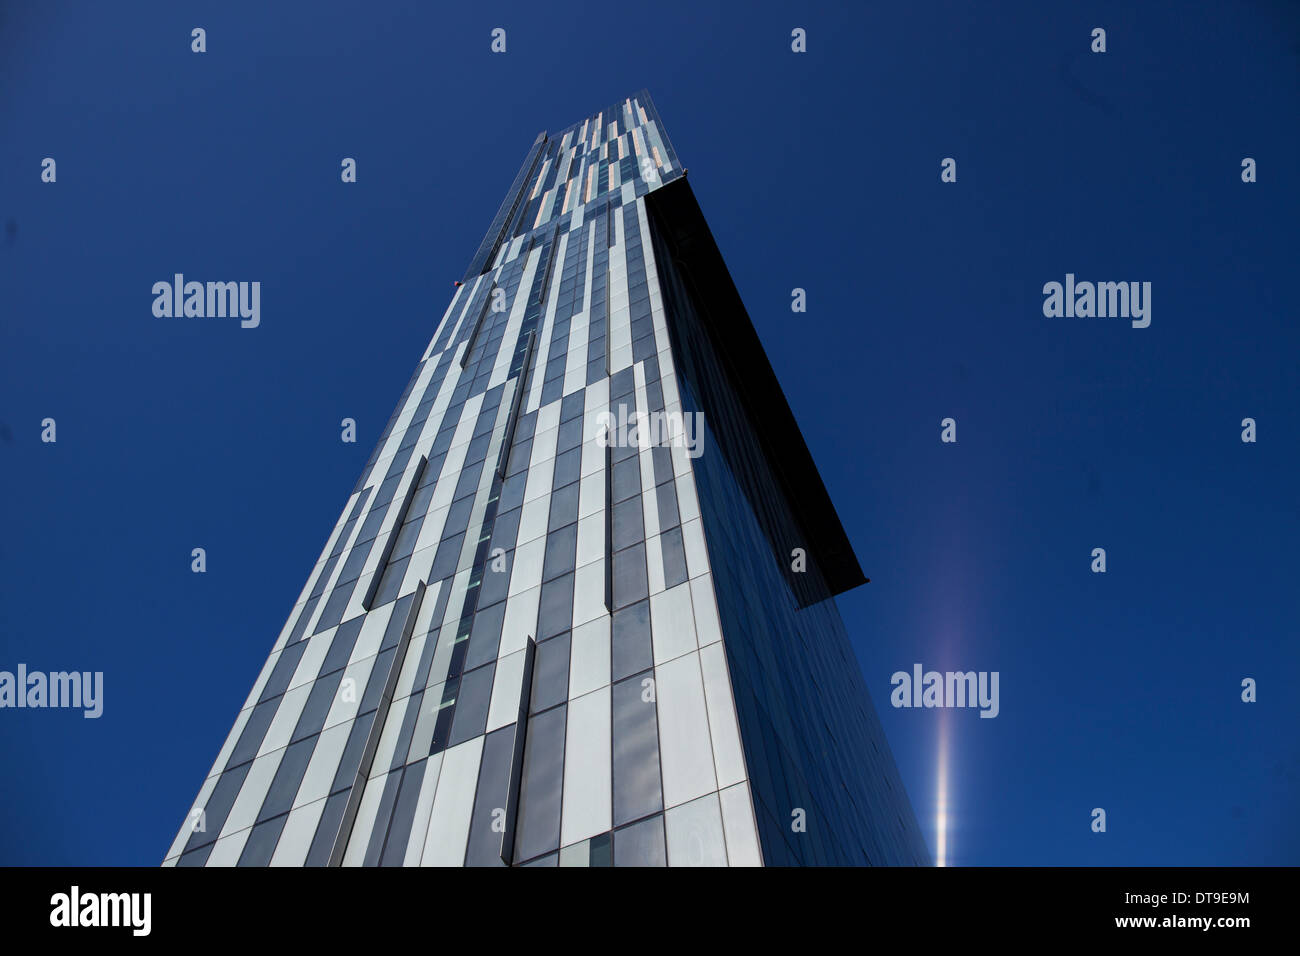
941, 795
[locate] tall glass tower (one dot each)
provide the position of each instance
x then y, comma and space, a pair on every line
579, 608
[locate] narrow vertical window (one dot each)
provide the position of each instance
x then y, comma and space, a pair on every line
503, 459
517, 758
478, 325
609, 525
382, 569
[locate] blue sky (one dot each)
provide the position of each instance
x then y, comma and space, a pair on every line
818, 171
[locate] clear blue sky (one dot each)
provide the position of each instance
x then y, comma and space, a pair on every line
818, 171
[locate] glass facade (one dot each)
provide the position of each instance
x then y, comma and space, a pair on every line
811, 737
527, 644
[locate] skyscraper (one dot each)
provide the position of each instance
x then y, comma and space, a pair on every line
578, 609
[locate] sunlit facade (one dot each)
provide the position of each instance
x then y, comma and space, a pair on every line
527, 644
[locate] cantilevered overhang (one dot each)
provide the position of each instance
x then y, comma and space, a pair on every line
695, 254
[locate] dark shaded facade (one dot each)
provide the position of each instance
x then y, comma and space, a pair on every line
811, 736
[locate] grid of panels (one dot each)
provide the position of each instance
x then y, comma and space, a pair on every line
382, 730
515, 631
